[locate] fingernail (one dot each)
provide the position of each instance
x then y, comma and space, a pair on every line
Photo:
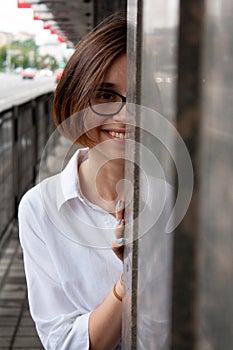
120, 240
119, 222
119, 203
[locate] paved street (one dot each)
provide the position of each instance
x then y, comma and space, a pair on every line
13, 89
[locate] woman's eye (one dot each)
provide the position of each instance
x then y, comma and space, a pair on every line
104, 96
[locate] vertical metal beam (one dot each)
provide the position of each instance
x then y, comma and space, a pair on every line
132, 173
138, 67
185, 272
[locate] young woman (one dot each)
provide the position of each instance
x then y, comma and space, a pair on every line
71, 224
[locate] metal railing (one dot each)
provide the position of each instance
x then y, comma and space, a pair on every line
24, 131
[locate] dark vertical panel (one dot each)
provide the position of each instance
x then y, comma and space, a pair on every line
186, 239
215, 311
157, 85
152, 36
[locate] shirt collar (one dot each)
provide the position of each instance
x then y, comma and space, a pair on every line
68, 180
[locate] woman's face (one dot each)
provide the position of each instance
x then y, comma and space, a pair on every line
108, 132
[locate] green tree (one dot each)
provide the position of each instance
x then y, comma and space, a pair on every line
47, 61
24, 54
2, 57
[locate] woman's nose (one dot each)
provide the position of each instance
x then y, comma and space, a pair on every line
121, 115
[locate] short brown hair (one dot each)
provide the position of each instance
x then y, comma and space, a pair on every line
86, 69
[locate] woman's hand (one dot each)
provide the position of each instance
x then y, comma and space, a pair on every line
119, 243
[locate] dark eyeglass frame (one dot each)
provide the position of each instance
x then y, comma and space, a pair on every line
123, 103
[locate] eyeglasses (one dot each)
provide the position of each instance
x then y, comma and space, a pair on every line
106, 102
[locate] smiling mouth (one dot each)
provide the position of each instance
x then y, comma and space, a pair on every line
119, 135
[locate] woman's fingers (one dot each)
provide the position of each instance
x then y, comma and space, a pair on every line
119, 229
120, 222
118, 247
120, 210
119, 243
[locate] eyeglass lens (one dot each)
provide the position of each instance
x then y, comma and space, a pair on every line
106, 102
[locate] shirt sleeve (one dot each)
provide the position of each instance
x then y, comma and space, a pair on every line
60, 325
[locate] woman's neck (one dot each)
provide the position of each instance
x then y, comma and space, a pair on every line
101, 181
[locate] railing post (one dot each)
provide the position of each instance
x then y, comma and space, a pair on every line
15, 158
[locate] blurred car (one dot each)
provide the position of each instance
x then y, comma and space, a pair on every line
18, 70
45, 72
58, 74
28, 73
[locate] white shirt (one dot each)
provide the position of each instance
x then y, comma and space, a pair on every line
70, 267
69, 271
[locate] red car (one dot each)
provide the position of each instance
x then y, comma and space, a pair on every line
58, 74
28, 73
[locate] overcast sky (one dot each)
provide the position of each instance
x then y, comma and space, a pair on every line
14, 20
